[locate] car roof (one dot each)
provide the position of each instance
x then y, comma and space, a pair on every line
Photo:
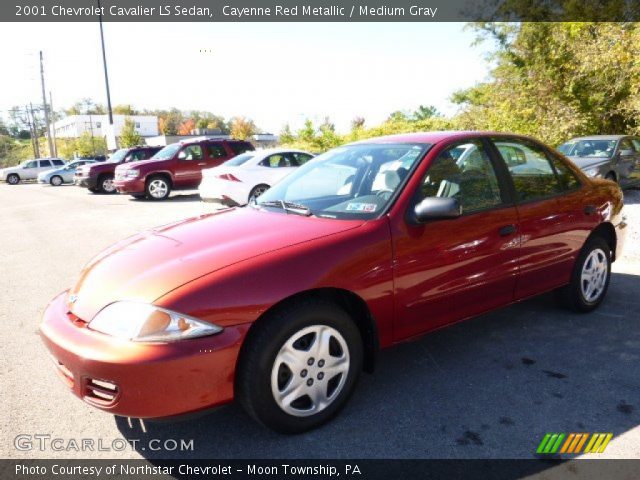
436, 137
272, 151
598, 137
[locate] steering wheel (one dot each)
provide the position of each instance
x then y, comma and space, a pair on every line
384, 194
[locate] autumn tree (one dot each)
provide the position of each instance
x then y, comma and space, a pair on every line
187, 126
242, 128
286, 135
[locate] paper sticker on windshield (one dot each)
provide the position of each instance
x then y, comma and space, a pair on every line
361, 207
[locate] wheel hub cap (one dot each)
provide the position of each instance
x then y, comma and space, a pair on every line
594, 275
157, 189
310, 370
108, 186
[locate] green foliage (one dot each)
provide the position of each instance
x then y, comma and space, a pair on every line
555, 81
12, 151
84, 146
125, 109
129, 137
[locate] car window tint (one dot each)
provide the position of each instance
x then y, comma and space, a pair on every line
532, 174
191, 152
240, 147
277, 160
32, 164
301, 158
216, 150
625, 144
58, 162
45, 163
568, 178
464, 172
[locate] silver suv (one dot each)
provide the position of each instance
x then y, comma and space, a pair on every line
28, 170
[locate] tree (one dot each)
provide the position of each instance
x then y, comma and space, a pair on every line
124, 109
186, 127
357, 123
169, 122
286, 135
129, 137
242, 128
86, 106
424, 112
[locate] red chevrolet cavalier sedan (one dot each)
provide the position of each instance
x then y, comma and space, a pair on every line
282, 303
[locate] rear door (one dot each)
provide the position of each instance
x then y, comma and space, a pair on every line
447, 270
216, 154
549, 216
44, 166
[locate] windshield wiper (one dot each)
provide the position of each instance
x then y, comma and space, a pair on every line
296, 208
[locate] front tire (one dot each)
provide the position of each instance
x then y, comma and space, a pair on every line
590, 277
106, 185
158, 188
13, 179
299, 366
55, 181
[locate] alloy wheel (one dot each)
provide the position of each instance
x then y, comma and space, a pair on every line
158, 188
13, 179
593, 278
108, 186
310, 370
56, 181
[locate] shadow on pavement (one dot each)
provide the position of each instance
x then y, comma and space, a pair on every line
176, 197
490, 387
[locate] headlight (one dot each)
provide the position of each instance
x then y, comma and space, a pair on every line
131, 173
593, 172
143, 322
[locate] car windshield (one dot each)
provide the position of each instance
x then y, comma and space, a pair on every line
588, 148
118, 156
239, 160
168, 152
355, 181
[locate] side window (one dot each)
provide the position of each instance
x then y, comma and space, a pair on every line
568, 179
626, 145
45, 163
301, 158
191, 152
216, 150
58, 162
32, 164
533, 176
240, 147
636, 143
465, 172
276, 160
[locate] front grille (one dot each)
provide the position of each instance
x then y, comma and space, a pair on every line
100, 392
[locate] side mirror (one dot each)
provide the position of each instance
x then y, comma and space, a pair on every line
626, 153
433, 208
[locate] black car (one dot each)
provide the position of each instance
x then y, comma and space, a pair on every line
614, 157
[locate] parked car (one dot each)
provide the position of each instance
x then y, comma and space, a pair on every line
282, 303
614, 157
58, 176
249, 175
28, 170
176, 167
98, 177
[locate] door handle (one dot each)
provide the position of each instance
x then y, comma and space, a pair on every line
507, 230
589, 210
202, 164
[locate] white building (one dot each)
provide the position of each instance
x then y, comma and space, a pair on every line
74, 126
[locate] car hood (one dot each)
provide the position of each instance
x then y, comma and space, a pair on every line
589, 162
98, 167
51, 172
153, 164
151, 264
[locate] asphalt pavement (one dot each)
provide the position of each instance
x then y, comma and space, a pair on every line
490, 387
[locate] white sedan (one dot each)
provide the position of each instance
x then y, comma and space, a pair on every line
249, 175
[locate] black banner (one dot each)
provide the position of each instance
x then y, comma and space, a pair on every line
319, 469
318, 10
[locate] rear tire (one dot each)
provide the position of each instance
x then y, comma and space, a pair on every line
13, 179
105, 184
55, 181
590, 277
299, 366
158, 187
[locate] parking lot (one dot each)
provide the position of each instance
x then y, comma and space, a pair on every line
487, 388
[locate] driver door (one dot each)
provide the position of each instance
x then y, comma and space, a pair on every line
190, 161
447, 270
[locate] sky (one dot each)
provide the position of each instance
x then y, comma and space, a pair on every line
274, 73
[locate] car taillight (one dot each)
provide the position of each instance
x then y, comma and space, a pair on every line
228, 176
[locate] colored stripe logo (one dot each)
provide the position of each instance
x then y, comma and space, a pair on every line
573, 443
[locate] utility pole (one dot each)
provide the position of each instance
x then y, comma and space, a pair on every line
104, 63
46, 109
34, 130
53, 126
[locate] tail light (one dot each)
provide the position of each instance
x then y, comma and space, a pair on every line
230, 177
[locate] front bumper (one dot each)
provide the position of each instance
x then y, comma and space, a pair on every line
130, 186
136, 379
86, 182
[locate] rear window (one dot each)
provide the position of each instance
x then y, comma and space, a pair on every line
58, 162
239, 160
240, 147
